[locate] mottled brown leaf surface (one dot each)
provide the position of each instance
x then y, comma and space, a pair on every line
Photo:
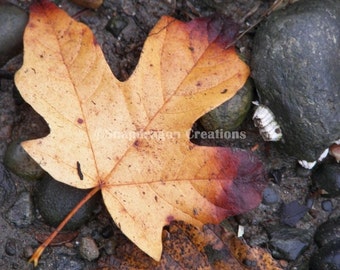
186, 247
130, 139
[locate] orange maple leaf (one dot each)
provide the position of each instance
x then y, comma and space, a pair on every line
130, 139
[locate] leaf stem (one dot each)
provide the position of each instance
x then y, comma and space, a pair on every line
36, 255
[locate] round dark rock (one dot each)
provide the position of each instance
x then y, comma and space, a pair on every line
327, 232
327, 177
55, 200
21, 213
13, 21
231, 113
270, 196
20, 163
295, 66
326, 258
288, 243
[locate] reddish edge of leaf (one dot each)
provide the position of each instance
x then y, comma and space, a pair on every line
242, 178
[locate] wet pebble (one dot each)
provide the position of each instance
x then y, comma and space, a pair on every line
88, 249
11, 247
21, 213
270, 196
231, 113
13, 21
295, 66
55, 200
327, 177
116, 25
327, 205
20, 163
288, 243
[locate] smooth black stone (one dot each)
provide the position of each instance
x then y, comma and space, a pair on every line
326, 258
55, 200
327, 232
327, 177
12, 24
295, 65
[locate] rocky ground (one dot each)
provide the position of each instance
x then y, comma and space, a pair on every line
295, 203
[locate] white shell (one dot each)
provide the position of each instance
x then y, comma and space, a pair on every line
270, 130
264, 119
307, 164
323, 155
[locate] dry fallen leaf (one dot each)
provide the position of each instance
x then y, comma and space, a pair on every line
130, 139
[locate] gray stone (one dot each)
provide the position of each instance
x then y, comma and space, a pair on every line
288, 243
270, 196
20, 163
55, 200
21, 213
295, 66
13, 21
88, 249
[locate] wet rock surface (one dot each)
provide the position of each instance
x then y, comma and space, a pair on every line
55, 200
20, 163
327, 232
327, 258
296, 71
327, 177
230, 115
21, 213
13, 21
7, 188
122, 45
288, 243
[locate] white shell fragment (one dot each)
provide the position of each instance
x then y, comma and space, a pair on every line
264, 119
310, 165
306, 164
240, 231
323, 155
